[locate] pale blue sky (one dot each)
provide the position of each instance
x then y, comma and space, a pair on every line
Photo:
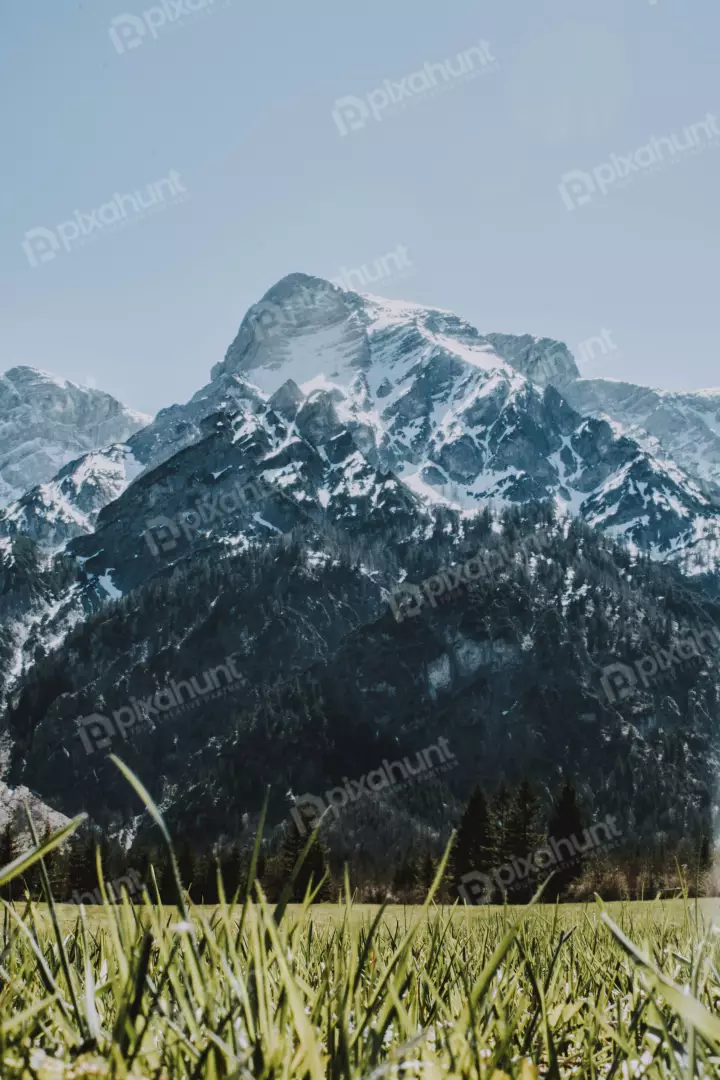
239, 104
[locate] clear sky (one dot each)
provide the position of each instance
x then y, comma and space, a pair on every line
236, 102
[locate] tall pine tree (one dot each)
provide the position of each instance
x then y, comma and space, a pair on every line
523, 838
566, 822
311, 872
473, 849
7, 854
499, 821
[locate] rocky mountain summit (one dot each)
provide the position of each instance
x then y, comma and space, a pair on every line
464, 418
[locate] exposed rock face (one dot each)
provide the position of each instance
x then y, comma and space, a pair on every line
681, 427
684, 428
13, 817
45, 422
547, 362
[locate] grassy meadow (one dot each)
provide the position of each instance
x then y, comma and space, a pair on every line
343, 991
246, 989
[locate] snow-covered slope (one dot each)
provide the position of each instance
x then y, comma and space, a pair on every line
459, 418
681, 427
456, 417
684, 427
68, 505
45, 422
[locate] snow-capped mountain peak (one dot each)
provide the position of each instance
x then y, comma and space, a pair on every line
461, 419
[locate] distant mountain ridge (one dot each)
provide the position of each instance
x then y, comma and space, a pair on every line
677, 425
46, 421
458, 417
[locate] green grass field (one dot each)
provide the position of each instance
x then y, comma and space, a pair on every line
249, 990
674, 912
343, 991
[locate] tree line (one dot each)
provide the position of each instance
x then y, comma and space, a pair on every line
505, 845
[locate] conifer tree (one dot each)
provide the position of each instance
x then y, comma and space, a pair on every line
499, 821
312, 870
426, 873
81, 868
566, 822
7, 854
405, 877
523, 838
234, 872
56, 865
473, 850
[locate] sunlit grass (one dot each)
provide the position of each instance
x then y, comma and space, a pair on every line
246, 989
